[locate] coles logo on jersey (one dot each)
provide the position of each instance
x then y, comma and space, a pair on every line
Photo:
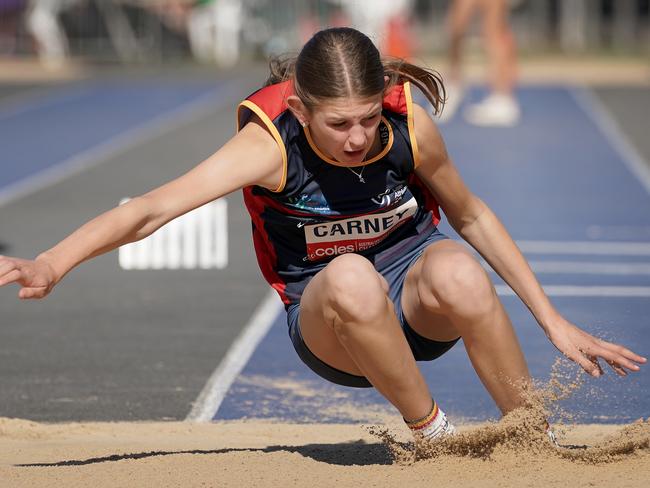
329, 239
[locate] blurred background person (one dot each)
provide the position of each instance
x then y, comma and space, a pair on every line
214, 31
10, 14
44, 24
224, 31
500, 107
383, 21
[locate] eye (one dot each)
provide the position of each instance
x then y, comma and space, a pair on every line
338, 124
372, 118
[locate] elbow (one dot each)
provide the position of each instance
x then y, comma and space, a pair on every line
142, 213
464, 221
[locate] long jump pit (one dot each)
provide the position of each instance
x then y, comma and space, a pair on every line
267, 454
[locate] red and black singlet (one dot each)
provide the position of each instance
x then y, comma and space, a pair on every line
321, 209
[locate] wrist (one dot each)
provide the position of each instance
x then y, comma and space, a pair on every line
47, 259
548, 319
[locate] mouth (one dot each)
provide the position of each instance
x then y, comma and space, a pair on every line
355, 154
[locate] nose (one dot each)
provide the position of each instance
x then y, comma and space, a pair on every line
357, 138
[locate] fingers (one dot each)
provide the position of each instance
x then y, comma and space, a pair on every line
594, 361
622, 351
590, 366
618, 357
10, 276
619, 371
12, 270
35, 280
33, 293
6, 266
577, 350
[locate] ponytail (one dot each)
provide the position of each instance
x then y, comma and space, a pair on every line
281, 68
427, 80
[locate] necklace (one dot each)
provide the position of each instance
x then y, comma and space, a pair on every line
359, 174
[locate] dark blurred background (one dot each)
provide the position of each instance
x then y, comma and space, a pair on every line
227, 32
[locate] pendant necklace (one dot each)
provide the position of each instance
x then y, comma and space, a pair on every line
359, 174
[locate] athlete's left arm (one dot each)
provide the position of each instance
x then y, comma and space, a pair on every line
479, 226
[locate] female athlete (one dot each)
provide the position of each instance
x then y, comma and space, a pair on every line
343, 177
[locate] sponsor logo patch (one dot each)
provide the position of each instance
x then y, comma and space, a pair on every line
328, 239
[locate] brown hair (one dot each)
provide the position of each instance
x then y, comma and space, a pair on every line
342, 62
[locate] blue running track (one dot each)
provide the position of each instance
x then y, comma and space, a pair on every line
51, 130
556, 181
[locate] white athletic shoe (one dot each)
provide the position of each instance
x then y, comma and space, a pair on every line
446, 429
496, 110
552, 437
441, 428
455, 93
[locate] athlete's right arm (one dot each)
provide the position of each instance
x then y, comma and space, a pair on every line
252, 157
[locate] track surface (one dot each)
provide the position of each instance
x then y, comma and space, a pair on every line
110, 344
556, 178
118, 345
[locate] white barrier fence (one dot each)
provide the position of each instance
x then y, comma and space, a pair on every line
196, 240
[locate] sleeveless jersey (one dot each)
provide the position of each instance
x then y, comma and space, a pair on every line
321, 209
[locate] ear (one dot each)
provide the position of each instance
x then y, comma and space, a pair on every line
298, 109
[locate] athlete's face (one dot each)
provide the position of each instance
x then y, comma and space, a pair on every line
345, 129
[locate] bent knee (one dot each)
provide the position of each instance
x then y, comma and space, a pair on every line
354, 288
455, 280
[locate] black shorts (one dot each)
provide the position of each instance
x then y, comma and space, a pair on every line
423, 349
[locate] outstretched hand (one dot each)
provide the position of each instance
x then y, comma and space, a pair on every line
586, 350
37, 278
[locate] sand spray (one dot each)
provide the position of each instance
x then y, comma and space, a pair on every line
522, 432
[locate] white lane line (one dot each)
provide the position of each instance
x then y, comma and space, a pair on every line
585, 247
586, 291
612, 132
581, 267
577, 267
147, 131
209, 400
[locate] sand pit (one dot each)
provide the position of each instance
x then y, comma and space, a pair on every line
512, 452
281, 455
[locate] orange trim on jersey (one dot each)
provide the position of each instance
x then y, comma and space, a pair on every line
274, 132
383, 153
411, 125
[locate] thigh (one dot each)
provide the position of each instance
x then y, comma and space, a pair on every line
495, 15
430, 321
316, 323
460, 14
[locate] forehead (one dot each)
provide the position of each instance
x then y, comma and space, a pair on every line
349, 107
